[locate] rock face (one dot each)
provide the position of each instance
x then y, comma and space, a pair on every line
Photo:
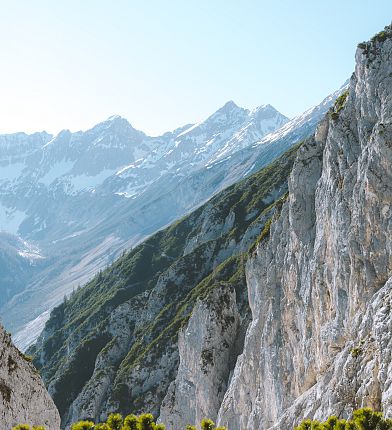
207, 350
320, 289
113, 345
23, 397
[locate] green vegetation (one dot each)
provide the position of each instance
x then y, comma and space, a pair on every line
362, 419
338, 106
132, 422
28, 358
381, 36
27, 427
372, 47
356, 352
78, 328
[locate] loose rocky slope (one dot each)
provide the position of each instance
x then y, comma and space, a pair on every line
23, 397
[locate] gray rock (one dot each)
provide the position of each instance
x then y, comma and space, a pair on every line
23, 397
319, 341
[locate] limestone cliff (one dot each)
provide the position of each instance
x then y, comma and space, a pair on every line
319, 282
163, 328
23, 397
319, 342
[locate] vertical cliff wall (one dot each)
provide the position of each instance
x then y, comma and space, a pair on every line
319, 292
318, 283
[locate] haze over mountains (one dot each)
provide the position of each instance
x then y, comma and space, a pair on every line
76, 200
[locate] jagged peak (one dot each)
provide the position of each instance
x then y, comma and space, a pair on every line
266, 110
230, 105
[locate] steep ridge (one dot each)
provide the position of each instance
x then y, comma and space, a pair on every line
221, 173
113, 345
81, 198
23, 397
320, 288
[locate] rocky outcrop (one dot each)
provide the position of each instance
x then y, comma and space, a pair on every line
207, 349
319, 340
23, 397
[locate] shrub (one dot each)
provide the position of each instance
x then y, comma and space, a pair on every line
83, 425
207, 424
115, 421
27, 427
131, 422
362, 419
338, 106
146, 422
102, 426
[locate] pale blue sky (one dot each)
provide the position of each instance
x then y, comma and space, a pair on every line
162, 64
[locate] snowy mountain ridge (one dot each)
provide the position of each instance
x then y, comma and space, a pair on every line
82, 198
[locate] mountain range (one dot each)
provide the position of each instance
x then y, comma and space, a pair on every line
266, 302
79, 199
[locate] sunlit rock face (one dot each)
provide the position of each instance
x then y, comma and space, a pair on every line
320, 290
23, 397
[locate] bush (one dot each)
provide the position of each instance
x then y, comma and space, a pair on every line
362, 419
146, 422
131, 422
102, 426
83, 425
115, 421
207, 424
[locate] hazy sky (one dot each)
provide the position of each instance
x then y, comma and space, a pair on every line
165, 63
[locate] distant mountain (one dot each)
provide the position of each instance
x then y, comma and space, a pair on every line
79, 197
82, 198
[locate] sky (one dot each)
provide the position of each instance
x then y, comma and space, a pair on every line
69, 64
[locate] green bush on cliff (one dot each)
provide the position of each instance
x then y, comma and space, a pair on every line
27, 427
207, 424
131, 422
115, 422
362, 419
83, 425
